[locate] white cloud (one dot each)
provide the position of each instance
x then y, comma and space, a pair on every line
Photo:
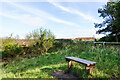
42, 14
34, 21
73, 11
25, 18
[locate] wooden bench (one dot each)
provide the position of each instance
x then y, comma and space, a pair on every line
88, 64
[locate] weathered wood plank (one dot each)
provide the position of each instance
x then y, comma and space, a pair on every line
82, 61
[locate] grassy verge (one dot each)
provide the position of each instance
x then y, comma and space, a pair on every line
42, 66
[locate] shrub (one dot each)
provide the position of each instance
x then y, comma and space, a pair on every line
5, 41
56, 46
61, 44
11, 50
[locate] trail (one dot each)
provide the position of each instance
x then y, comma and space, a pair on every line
62, 75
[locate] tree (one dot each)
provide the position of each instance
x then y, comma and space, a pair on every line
43, 38
111, 16
40, 34
29, 36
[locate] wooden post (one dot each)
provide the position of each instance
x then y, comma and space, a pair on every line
95, 40
95, 44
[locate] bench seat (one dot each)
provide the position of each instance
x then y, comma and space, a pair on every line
88, 64
82, 61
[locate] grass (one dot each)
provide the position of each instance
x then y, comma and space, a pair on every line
42, 66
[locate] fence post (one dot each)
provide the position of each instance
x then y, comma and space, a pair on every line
104, 44
95, 44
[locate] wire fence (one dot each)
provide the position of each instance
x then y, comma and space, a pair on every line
104, 43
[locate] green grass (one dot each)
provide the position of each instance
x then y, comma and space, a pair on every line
43, 66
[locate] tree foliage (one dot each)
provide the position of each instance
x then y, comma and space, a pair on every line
40, 34
43, 38
111, 15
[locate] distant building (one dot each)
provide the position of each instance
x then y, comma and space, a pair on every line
64, 38
85, 38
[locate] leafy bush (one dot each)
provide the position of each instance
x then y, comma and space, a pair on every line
5, 41
11, 50
56, 46
43, 46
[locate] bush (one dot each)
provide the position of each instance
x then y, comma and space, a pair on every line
43, 46
56, 46
11, 50
61, 44
5, 41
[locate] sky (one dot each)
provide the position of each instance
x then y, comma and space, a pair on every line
63, 19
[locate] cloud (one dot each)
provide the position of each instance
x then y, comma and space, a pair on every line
42, 14
25, 18
34, 21
73, 11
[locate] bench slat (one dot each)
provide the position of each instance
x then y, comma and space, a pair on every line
86, 62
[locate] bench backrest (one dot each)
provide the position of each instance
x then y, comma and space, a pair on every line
82, 61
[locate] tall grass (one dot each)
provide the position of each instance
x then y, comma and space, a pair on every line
42, 66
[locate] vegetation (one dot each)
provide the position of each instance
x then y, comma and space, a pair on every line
7, 40
40, 34
43, 41
111, 15
11, 50
42, 66
109, 38
44, 54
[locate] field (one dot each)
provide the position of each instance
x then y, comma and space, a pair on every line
37, 37
43, 65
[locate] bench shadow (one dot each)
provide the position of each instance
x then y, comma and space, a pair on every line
60, 73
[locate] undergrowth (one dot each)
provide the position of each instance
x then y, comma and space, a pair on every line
42, 66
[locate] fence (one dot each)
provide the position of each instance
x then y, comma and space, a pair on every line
105, 43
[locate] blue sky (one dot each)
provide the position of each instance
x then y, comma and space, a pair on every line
64, 19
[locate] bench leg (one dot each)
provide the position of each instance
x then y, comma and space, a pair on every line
69, 64
90, 68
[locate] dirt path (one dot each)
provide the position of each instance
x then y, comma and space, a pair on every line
61, 75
